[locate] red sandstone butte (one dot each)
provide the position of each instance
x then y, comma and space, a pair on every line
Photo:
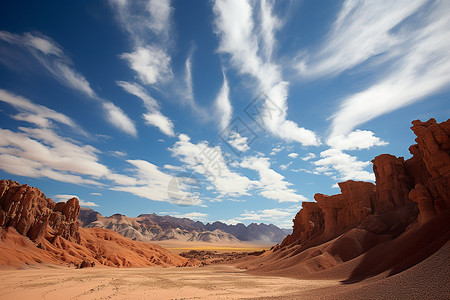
34, 229
417, 189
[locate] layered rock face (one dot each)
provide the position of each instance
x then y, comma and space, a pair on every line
35, 229
32, 214
405, 191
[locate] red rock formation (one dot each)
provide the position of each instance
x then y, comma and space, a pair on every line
432, 191
53, 235
348, 209
308, 222
32, 214
388, 206
392, 185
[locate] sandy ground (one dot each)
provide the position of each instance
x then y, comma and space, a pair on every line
211, 282
177, 247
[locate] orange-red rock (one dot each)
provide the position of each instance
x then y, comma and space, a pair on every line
35, 229
388, 206
308, 223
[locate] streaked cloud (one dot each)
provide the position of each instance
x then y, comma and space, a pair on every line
153, 116
51, 57
224, 110
152, 64
235, 27
210, 161
362, 30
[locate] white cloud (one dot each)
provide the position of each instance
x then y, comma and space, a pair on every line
238, 142
356, 140
405, 43
34, 113
362, 29
160, 13
148, 182
49, 150
309, 156
210, 162
196, 216
189, 93
223, 107
153, 117
148, 23
152, 64
96, 194
293, 155
269, 24
144, 19
162, 122
272, 184
421, 69
284, 167
234, 25
51, 56
42, 153
174, 168
64, 198
276, 150
281, 217
116, 116
135, 89
342, 166
117, 153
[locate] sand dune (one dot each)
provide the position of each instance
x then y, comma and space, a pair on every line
219, 282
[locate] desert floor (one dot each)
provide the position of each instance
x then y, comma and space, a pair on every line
177, 247
210, 282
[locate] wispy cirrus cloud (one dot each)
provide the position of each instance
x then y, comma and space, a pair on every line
51, 56
152, 64
34, 113
235, 26
405, 43
362, 29
153, 116
40, 152
419, 68
148, 24
223, 108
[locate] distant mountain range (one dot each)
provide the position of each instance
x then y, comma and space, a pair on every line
152, 227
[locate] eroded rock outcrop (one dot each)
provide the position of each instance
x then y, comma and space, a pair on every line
433, 146
308, 222
417, 189
35, 229
32, 214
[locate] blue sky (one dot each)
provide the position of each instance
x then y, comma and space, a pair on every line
215, 110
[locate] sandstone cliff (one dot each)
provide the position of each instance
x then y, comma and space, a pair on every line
397, 223
423, 179
34, 229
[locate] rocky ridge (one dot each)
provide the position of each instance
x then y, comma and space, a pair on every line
373, 229
35, 229
417, 188
152, 227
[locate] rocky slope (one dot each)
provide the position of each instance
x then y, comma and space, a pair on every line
34, 229
151, 227
369, 230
